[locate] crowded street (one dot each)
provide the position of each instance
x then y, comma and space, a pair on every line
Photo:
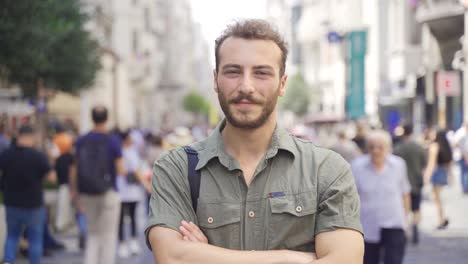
234, 131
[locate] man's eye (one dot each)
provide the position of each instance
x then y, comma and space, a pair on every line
231, 72
262, 73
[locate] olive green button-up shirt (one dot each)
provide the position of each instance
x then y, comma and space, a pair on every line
298, 191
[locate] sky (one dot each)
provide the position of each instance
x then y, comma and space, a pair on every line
214, 15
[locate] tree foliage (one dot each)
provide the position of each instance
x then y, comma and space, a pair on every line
195, 103
46, 40
297, 97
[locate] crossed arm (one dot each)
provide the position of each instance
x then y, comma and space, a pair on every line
190, 245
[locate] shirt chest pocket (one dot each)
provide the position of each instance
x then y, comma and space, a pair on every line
292, 222
220, 222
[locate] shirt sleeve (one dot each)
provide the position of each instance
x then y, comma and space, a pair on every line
339, 204
170, 201
44, 165
116, 147
404, 182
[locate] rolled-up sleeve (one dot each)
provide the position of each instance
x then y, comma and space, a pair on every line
170, 201
339, 204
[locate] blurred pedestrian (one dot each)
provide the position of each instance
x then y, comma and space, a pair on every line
181, 136
438, 172
153, 152
360, 137
4, 141
24, 169
130, 191
383, 187
99, 160
416, 160
462, 144
347, 148
154, 149
63, 165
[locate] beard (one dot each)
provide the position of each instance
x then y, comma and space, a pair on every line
250, 120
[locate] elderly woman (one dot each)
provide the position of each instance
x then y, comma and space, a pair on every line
384, 191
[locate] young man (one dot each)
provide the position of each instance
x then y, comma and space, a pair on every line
264, 197
24, 169
384, 189
98, 161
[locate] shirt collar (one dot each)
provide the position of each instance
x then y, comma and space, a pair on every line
214, 147
388, 161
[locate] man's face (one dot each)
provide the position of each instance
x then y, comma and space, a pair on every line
248, 82
378, 150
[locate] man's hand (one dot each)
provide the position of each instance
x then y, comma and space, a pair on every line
192, 232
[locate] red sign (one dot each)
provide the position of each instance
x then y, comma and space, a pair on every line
448, 82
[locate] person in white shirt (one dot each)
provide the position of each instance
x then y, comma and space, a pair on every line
384, 190
131, 193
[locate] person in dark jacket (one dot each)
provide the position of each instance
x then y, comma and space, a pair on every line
23, 194
416, 160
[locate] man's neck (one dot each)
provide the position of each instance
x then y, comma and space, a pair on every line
25, 143
379, 165
100, 128
248, 143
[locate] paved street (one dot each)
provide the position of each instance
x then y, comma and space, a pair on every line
73, 255
448, 247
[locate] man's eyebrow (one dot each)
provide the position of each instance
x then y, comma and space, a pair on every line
261, 67
237, 66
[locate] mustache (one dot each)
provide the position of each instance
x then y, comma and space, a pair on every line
245, 97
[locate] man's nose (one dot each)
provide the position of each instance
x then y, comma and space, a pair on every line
246, 85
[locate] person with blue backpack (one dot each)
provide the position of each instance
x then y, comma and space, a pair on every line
98, 162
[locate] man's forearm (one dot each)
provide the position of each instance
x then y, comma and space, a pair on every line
72, 178
182, 252
194, 253
407, 203
339, 259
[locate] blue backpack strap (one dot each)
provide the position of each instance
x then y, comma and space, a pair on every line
193, 175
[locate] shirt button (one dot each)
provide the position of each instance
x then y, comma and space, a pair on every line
299, 209
251, 214
210, 220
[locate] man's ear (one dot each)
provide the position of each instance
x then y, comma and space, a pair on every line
215, 81
282, 89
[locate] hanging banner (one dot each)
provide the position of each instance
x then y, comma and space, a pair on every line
356, 46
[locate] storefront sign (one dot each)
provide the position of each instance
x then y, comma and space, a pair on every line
448, 83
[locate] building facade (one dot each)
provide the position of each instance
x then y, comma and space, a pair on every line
153, 54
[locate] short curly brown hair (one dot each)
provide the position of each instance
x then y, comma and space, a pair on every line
253, 29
